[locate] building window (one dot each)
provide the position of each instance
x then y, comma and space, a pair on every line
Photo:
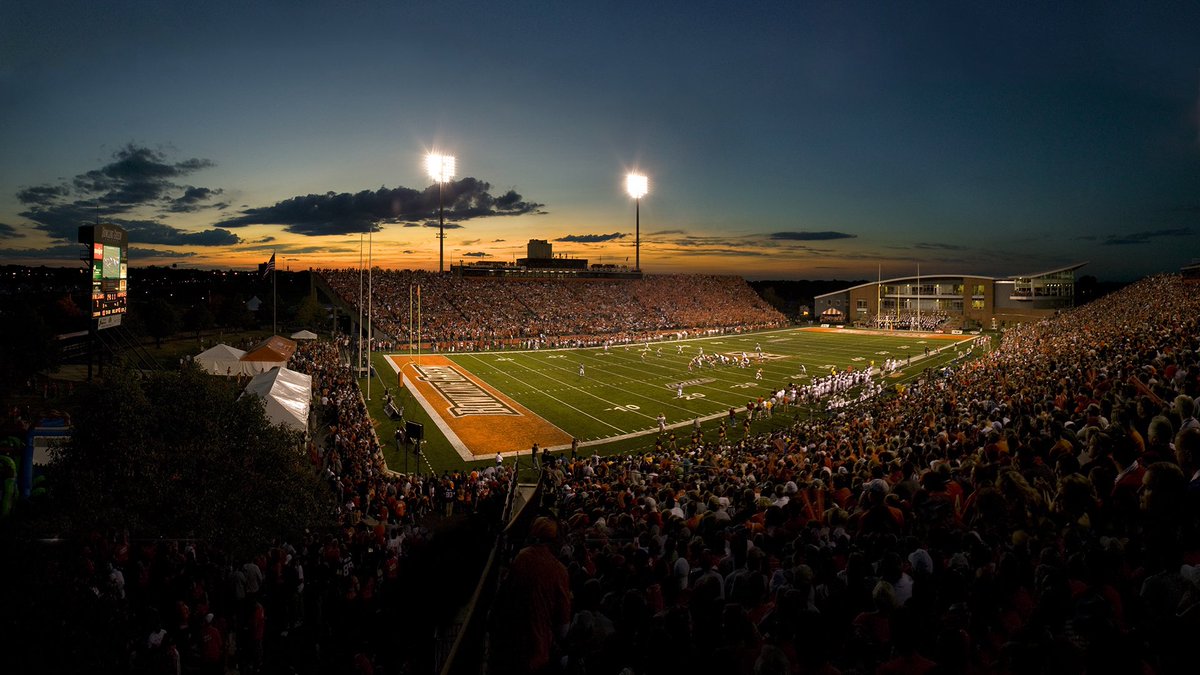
861, 305
976, 304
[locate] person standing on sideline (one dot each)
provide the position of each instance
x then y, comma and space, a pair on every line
679, 391
662, 423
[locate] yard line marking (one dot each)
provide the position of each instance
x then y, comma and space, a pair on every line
559, 400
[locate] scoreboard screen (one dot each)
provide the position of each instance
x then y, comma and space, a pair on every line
106, 255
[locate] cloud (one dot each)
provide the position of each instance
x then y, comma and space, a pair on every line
1145, 236
469, 242
136, 177
265, 240
60, 251
135, 252
192, 198
335, 213
662, 232
938, 246
9, 232
62, 222
497, 241
43, 194
715, 250
408, 252
592, 238
433, 224
476, 254
811, 236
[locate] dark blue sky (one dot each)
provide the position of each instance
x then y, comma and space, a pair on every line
782, 139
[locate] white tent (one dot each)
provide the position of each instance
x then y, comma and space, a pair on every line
304, 335
220, 360
287, 394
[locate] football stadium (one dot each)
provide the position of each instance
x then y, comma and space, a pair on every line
592, 338
597, 442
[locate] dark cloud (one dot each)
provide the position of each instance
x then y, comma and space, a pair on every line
297, 250
408, 252
592, 238
662, 232
135, 252
66, 252
152, 232
43, 195
938, 246
9, 232
265, 240
1144, 237
497, 241
811, 236
1087, 237
469, 242
62, 222
136, 176
192, 200
714, 250
344, 213
433, 224
476, 254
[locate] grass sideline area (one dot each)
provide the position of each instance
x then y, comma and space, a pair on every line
613, 407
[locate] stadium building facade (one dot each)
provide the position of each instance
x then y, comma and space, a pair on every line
951, 300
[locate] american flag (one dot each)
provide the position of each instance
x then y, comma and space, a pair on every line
269, 267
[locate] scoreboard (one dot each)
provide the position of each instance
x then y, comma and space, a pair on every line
106, 258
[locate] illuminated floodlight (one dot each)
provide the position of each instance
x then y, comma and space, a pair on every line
439, 167
636, 185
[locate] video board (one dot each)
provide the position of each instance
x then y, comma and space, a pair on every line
106, 255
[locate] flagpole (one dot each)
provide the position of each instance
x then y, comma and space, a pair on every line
274, 298
418, 324
358, 344
370, 287
918, 296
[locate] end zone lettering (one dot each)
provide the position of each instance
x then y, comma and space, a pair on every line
465, 396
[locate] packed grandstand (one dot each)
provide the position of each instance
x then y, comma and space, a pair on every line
1032, 510
469, 313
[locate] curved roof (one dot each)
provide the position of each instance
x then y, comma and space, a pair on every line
927, 277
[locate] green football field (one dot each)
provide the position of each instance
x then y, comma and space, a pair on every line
614, 405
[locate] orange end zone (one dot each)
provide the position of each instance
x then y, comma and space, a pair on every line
477, 419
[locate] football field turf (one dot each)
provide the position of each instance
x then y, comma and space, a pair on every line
489, 402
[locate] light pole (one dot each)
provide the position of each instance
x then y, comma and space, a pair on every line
637, 186
441, 169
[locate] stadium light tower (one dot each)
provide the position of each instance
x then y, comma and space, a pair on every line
441, 169
637, 186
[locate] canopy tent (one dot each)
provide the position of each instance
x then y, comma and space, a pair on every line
286, 393
304, 335
221, 360
273, 352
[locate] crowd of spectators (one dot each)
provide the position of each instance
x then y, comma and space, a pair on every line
472, 313
1034, 510
308, 604
926, 321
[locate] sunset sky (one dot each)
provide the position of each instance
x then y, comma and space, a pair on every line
781, 139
